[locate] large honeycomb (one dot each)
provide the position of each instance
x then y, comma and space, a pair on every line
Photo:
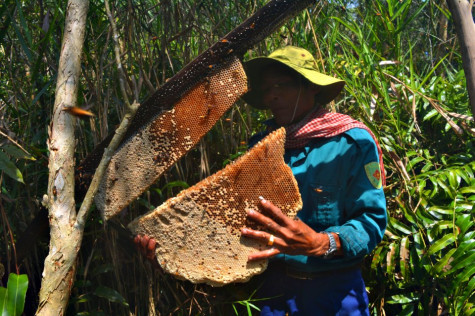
145, 156
198, 231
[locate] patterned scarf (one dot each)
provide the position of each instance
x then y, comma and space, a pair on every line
322, 123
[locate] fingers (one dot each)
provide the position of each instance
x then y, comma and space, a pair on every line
151, 244
144, 241
138, 242
151, 248
266, 238
264, 220
265, 254
275, 212
146, 245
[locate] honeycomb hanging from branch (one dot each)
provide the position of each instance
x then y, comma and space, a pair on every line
148, 154
198, 231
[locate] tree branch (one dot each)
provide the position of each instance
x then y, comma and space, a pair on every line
60, 264
462, 16
101, 169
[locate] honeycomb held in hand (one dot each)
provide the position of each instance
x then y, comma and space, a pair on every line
144, 157
198, 231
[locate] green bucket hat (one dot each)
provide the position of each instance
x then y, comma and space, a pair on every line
297, 59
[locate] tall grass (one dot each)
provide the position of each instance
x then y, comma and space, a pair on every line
404, 79
405, 95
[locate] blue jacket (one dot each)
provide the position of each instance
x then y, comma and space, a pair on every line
333, 176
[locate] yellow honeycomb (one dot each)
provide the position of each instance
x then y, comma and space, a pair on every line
144, 157
198, 231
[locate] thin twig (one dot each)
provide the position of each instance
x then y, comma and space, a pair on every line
14, 142
5, 219
120, 68
106, 157
458, 131
320, 58
315, 40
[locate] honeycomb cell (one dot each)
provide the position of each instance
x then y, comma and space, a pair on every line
140, 161
198, 231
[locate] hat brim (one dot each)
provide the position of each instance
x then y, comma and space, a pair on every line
330, 87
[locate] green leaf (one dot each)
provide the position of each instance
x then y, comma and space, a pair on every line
43, 91
449, 190
470, 189
3, 301
437, 268
466, 275
399, 226
6, 18
174, 184
441, 244
390, 259
378, 255
404, 257
432, 70
464, 222
16, 152
440, 228
400, 10
110, 294
464, 261
23, 44
408, 310
16, 292
410, 216
9, 168
441, 210
82, 298
403, 298
464, 247
414, 162
23, 22
430, 114
428, 166
403, 25
468, 291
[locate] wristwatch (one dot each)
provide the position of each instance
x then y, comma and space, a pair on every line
332, 250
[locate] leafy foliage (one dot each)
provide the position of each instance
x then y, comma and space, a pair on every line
12, 298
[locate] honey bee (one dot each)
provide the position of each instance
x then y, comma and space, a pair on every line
73, 110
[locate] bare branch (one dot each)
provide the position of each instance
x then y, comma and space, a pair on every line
60, 264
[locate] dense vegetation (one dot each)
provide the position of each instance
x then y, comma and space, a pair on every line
401, 62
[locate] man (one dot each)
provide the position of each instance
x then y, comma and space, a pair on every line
314, 260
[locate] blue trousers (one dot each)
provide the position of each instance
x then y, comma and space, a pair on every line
333, 294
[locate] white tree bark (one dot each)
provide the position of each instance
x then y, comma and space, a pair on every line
462, 15
67, 225
60, 264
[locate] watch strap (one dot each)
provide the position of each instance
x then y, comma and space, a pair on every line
332, 249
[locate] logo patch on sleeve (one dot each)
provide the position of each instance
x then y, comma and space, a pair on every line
373, 172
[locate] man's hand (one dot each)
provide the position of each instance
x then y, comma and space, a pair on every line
292, 237
146, 246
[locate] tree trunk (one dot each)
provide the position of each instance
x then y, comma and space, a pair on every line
66, 236
443, 23
462, 16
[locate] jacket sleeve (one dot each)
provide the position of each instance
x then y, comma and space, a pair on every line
364, 203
